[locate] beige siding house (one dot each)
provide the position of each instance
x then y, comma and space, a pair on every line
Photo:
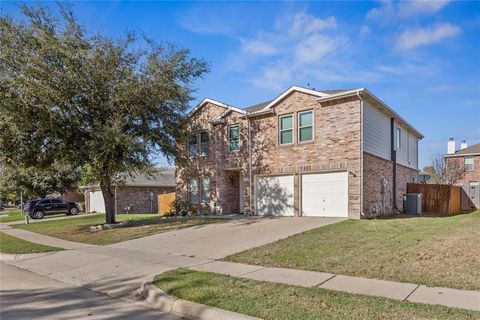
330, 153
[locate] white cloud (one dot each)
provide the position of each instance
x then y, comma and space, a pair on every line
304, 23
296, 45
315, 47
364, 30
391, 11
412, 38
258, 47
420, 7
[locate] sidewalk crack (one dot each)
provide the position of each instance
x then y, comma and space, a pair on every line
411, 293
323, 282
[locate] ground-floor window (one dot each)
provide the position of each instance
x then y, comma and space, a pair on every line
193, 191
205, 189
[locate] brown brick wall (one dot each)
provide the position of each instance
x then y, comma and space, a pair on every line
375, 169
336, 144
139, 199
468, 176
222, 166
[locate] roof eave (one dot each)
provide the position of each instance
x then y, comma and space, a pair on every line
383, 104
461, 155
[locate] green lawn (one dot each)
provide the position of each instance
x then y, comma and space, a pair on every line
278, 301
432, 251
78, 229
14, 215
9, 244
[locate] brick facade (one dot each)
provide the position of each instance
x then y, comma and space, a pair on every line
468, 176
139, 198
336, 144
336, 147
378, 183
224, 168
136, 197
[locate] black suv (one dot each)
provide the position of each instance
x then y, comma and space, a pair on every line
37, 209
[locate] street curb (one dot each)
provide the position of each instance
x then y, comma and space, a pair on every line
191, 310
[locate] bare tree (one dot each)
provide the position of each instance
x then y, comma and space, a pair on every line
448, 171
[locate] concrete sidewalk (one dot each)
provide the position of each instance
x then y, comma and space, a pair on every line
465, 299
42, 239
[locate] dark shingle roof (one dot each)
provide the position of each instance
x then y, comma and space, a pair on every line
472, 149
335, 91
158, 178
258, 106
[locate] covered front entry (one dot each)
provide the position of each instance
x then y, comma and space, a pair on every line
232, 193
324, 194
274, 195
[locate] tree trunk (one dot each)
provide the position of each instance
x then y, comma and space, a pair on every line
109, 199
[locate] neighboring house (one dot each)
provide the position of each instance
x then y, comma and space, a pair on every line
467, 158
138, 193
336, 153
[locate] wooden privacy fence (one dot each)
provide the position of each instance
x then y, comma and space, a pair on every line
165, 202
438, 198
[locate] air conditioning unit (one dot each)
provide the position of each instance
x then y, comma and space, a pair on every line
412, 203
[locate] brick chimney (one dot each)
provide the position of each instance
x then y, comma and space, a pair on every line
463, 145
451, 146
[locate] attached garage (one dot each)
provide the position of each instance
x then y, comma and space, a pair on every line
96, 203
274, 195
324, 194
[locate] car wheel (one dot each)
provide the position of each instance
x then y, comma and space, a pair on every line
38, 214
73, 211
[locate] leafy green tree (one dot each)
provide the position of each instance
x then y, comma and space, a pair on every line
76, 98
35, 182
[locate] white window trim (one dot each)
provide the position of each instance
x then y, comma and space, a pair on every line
188, 145
312, 125
239, 137
200, 143
398, 138
209, 190
280, 130
465, 163
190, 191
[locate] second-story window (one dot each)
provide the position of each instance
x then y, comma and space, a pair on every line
234, 138
398, 139
305, 126
286, 129
468, 163
203, 143
192, 145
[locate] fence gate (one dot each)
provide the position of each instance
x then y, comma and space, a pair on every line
470, 197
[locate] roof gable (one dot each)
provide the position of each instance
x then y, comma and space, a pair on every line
287, 92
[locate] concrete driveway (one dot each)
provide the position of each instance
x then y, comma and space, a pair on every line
26, 295
118, 270
218, 240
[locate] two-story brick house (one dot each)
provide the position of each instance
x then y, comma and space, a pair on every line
341, 153
468, 159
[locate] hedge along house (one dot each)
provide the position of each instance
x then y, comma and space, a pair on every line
137, 193
328, 153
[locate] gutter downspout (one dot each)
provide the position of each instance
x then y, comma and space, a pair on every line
250, 186
361, 153
394, 164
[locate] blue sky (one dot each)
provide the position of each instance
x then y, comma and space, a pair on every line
421, 57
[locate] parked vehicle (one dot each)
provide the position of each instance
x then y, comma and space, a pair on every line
38, 208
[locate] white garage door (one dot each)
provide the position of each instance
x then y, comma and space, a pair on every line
96, 201
325, 194
274, 195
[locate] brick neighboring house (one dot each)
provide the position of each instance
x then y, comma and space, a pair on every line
341, 153
139, 192
467, 158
